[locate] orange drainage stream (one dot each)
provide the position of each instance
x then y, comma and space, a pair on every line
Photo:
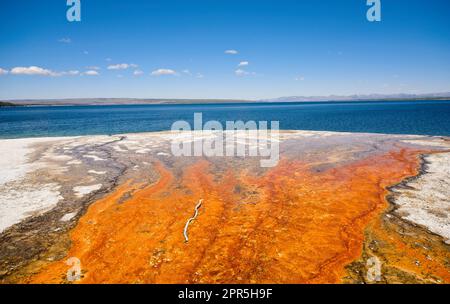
291, 225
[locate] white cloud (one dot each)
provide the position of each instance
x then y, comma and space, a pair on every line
299, 78
160, 72
240, 72
71, 73
231, 52
191, 74
243, 63
91, 73
138, 73
35, 70
96, 68
3, 72
32, 70
122, 66
65, 40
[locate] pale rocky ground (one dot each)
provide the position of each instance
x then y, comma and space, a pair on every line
47, 183
426, 199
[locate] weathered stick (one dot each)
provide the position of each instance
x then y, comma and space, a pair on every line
186, 238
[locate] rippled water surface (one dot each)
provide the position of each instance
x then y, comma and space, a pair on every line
399, 117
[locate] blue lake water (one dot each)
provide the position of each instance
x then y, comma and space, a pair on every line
399, 117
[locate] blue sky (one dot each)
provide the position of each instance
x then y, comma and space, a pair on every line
176, 49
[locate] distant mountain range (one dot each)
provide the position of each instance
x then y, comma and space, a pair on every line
128, 101
369, 97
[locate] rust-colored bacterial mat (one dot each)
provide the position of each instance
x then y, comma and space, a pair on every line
290, 224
